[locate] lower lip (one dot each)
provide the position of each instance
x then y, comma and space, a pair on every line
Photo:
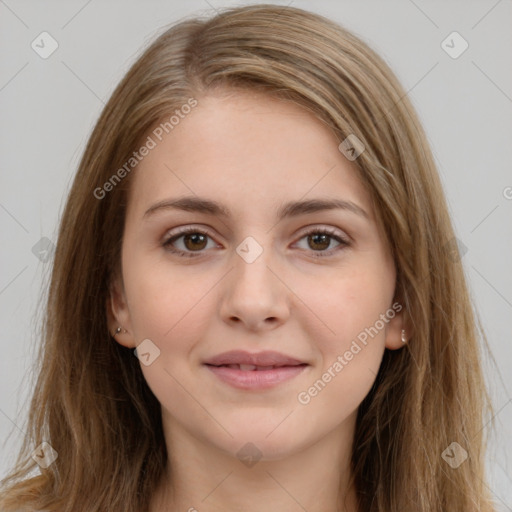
256, 379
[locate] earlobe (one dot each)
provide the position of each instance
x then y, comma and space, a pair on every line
398, 332
118, 315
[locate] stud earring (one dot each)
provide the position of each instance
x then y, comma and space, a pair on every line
404, 339
118, 330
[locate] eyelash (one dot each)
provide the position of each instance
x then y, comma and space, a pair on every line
167, 244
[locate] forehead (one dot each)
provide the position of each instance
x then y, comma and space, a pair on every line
248, 150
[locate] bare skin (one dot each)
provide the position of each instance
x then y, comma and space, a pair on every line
253, 154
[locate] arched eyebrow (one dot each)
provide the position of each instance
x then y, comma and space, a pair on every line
291, 209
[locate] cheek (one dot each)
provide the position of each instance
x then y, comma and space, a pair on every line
170, 310
164, 302
350, 338
346, 304
350, 344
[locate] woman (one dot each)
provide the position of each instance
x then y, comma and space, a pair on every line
257, 217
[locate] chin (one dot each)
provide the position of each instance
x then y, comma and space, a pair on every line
256, 446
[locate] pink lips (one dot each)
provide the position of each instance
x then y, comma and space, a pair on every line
261, 370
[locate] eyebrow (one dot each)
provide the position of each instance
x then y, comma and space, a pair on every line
291, 209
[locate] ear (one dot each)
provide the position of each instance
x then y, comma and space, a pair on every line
118, 314
394, 330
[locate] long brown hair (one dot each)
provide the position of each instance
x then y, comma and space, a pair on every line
91, 402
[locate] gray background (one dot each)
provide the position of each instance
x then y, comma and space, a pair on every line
49, 107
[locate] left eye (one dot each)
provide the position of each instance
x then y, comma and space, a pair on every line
194, 240
321, 239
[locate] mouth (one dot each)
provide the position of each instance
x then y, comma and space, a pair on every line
252, 377
252, 367
253, 360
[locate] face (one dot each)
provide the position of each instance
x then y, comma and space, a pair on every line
315, 285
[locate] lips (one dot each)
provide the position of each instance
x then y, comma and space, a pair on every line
255, 371
249, 367
247, 361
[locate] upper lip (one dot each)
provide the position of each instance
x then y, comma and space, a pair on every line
267, 358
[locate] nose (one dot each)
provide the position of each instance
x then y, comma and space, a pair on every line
254, 292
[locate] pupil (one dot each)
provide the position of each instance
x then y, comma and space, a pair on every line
194, 237
324, 238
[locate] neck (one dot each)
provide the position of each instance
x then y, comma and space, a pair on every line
203, 478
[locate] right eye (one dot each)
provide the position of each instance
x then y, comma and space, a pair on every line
192, 236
